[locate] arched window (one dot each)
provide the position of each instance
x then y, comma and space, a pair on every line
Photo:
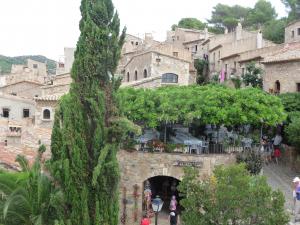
145, 73
135, 75
46, 114
169, 78
128, 77
277, 87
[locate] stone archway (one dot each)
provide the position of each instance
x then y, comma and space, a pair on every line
163, 186
137, 167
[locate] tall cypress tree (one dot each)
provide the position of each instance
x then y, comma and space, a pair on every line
84, 144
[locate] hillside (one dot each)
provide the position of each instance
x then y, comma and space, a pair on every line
6, 62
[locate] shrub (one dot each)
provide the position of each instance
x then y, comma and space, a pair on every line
252, 159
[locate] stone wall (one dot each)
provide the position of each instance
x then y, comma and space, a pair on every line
25, 89
41, 105
148, 61
291, 32
16, 105
137, 167
287, 73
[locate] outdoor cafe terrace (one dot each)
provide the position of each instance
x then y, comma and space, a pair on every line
180, 141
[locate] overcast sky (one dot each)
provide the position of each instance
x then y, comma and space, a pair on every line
47, 26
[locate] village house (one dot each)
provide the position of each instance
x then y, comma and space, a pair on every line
25, 80
224, 50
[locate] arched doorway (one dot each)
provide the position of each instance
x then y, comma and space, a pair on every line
165, 187
277, 87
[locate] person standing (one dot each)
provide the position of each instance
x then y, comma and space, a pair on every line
296, 197
145, 220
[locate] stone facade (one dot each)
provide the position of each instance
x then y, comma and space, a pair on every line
282, 70
147, 70
64, 65
45, 119
32, 71
25, 89
16, 106
292, 32
149, 165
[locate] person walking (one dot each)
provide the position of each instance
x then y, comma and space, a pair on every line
296, 197
174, 218
173, 203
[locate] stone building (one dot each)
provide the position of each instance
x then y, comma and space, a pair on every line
26, 89
16, 124
292, 32
64, 65
161, 173
33, 71
282, 70
25, 80
224, 50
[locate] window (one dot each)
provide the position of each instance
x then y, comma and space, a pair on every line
196, 48
169, 78
135, 75
293, 33
219, 55
132, 43
5, 142
145, 73
235, 65
5, 112
14, 93
298, 87
35, 66
175, 54
226, 68
136, 43
128, 77
298, 31
61, 65
26, 113
243, 71
46, 114
214, 57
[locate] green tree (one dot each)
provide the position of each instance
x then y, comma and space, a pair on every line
293, 132
84, 139
253, 75
230, 196
290, 101
191, 23
29, 197
262, 13
201, 66
210, 104
274, 30
293, 7
228, 16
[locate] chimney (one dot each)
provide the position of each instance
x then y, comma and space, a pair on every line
206, 33
148, 38
238, 32
259, 40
